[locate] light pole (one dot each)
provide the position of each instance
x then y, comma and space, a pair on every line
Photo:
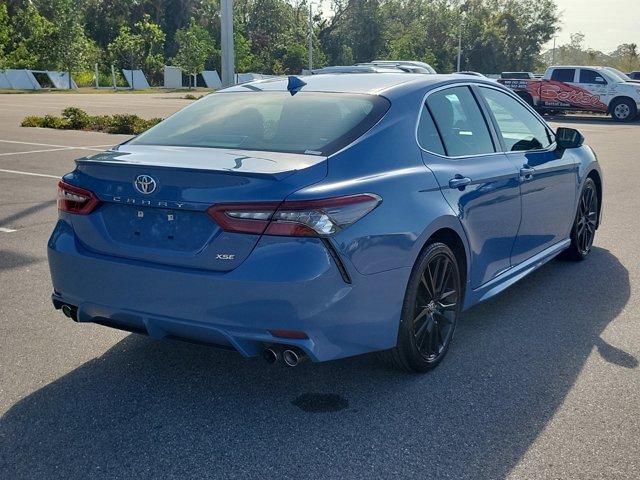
459, 42
226, 41
310, 38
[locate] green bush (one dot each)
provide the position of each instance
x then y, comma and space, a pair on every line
77, 119
85, 78
101, 123
74, 118
32, 121
48, 121
127, 124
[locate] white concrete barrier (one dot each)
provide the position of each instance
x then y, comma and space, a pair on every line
135, 79
172, 77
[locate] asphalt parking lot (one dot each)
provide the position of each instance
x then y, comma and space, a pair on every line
541, 382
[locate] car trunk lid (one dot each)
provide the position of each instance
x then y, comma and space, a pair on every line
154, 200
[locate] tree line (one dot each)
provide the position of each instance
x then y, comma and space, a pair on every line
271, 35
625, 57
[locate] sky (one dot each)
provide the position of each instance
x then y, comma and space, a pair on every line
605, 23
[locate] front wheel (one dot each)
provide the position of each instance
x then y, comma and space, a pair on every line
623, 110
585, 223
430, 311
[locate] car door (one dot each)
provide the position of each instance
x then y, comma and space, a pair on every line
559, 90
548, 176
596, 87
480, 184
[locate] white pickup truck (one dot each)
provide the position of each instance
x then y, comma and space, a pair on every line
592, 89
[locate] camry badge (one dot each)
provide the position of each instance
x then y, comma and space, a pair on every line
145, 184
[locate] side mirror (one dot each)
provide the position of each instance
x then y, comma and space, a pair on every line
568, 138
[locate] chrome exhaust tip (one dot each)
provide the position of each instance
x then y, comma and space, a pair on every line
270, 355
292, 357
66, 309
70, 312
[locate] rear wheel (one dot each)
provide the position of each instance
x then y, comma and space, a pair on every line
527, 98
623, 110
430, 312
586, 221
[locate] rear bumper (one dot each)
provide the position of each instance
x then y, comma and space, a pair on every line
287, 284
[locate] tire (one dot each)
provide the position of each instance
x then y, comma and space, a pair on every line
584, 226
527, 98
623, 110
428, 321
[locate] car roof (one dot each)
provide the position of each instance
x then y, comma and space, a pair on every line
360, 68
594, 67
371, 83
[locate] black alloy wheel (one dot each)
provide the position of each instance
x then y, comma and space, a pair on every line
586, 222
430, 312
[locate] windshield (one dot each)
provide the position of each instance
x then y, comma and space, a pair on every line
307, 122
620, 76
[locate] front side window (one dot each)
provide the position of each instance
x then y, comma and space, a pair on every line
564, 75
308, 122
519, 128
462, 127
591, 77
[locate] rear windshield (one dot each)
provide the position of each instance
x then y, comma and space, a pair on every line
307, 122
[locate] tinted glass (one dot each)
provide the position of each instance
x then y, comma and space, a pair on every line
308, 122
428, 136
563, 74
620, 76
460, 122
591, 76
519, 128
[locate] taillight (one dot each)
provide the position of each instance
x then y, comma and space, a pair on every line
308, 218
74, 199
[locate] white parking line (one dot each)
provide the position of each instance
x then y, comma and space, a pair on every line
57, 177
70, 147
35, 151
7, 230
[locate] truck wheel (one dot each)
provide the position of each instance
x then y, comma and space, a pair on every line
623, 110
527, 98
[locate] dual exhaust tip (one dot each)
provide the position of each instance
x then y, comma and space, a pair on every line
290, 356
70, 312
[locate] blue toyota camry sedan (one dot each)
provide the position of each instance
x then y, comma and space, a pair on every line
322, 217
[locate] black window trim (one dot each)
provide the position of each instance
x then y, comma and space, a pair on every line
479, 102
536, 115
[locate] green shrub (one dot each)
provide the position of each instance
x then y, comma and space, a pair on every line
125, 123
101, 122
51, 121
85, 78
77, 119
32, 121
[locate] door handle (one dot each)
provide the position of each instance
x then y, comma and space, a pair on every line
526, 172
459, 182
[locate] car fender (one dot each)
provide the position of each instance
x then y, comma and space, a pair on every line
451, 222
588, 164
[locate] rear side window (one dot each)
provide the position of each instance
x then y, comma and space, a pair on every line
428, 136
308, 122
460, 122
564, 74
591, 77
